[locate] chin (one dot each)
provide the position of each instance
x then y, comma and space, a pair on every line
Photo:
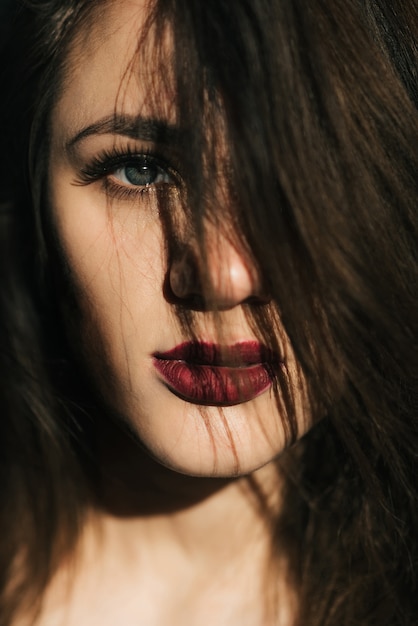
207, 441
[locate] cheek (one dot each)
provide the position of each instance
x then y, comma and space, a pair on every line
116, 260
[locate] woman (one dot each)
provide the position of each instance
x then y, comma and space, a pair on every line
209, 313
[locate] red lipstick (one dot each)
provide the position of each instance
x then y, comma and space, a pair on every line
209, 374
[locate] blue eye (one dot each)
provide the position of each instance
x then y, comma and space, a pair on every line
141, 173
124, 174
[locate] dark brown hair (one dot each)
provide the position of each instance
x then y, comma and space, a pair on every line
319, 108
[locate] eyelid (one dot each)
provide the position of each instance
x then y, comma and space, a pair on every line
103, 165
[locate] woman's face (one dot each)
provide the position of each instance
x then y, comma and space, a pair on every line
199, 408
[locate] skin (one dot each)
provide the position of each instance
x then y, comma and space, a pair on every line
116, 251
159, 523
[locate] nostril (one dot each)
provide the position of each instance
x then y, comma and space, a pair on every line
180, 279
257, 299
184, 276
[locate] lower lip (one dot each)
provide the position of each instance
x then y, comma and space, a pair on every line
214, 385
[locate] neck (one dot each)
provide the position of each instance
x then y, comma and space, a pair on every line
137, 490
200, 543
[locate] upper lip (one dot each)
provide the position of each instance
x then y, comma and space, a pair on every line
245, 353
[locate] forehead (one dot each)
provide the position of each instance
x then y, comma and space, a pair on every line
114, 65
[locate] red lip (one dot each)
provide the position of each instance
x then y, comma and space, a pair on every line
209, 374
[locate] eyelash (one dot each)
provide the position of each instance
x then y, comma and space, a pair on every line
104, 165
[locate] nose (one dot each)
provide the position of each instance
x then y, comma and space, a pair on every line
222, 278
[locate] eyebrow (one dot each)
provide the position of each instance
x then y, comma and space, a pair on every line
135, 127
